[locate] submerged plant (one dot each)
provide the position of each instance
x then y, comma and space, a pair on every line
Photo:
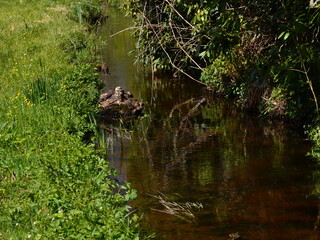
185, 211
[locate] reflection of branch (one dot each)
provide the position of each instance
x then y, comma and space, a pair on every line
185, 121
316, 225
179, 105
199, 103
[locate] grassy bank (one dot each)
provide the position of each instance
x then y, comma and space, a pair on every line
52, 184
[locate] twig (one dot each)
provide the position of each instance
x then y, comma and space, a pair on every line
147, 26
305, 72
179, 14
167, 54
124, 30
179, 45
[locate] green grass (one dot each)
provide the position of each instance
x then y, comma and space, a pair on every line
52, 184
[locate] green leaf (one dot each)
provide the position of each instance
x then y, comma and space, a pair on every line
286, 36
281, 34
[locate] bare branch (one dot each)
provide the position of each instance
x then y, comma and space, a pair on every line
306, 73
146, 26
173, 8
167, 54
179, 45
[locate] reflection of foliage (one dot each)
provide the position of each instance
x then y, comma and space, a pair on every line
222, 159
215, 133
314, 134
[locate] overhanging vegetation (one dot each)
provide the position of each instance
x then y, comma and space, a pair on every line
265, 54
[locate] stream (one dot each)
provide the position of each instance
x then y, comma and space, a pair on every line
206, 171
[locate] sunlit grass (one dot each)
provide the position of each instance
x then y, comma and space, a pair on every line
52, 184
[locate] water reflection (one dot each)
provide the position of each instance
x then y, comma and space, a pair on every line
252, 178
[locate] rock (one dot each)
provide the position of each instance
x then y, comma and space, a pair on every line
116, 103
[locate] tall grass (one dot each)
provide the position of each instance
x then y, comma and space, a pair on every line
52, 184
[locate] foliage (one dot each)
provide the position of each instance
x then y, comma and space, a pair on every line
116, 3
89, 11
52, 184
243, 48
265, 53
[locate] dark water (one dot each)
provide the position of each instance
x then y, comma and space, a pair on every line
251, 177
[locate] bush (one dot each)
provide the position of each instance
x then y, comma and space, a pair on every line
244, 48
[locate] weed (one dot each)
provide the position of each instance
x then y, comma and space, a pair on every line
52, 184
184, 211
